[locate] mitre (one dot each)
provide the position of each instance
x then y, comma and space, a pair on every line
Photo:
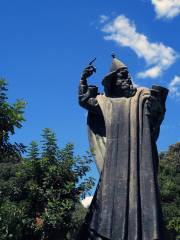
115, 66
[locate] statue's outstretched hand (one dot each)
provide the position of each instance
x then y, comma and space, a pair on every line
153, 102
88, 71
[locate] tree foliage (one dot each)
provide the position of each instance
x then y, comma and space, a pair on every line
11, 117
45, 193
40, 194
51, 187
169, 178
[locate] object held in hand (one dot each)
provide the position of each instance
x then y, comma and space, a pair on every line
88, 71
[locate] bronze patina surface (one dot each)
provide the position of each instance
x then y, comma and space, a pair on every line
123, 126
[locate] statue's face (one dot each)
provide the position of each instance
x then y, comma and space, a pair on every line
122, 84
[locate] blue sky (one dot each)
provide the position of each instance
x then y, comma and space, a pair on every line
44, 46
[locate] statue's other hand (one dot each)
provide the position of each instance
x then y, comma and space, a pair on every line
153, 104
88, 71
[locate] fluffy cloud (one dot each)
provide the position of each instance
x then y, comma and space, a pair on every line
103, 18
166, 8
151, 72
87, 201
174, 86
157, 56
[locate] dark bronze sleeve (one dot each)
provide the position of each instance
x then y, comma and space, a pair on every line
87, 97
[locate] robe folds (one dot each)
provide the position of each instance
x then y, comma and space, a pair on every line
126, 203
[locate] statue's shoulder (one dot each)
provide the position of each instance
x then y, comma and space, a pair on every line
156, 91
154, 87
142, 90
102, 99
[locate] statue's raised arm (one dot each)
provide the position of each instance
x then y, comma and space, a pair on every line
87, 94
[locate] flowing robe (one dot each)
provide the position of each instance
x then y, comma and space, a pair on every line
122, 135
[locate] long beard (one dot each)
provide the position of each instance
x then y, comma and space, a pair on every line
124, 90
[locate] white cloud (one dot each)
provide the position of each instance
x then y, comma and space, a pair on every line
174, 86
103, 18
87, 201
166, 8
157, 56
152, 72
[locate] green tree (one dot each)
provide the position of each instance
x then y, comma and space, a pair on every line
169, 179
49, 145
33, 151
39, 195
46, 192
11, 117
78, 217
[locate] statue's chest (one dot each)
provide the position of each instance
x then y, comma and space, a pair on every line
116, 115
116, 109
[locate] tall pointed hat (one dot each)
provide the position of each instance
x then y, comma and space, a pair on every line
116, 65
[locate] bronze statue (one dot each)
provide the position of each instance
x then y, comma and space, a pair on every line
123, 126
